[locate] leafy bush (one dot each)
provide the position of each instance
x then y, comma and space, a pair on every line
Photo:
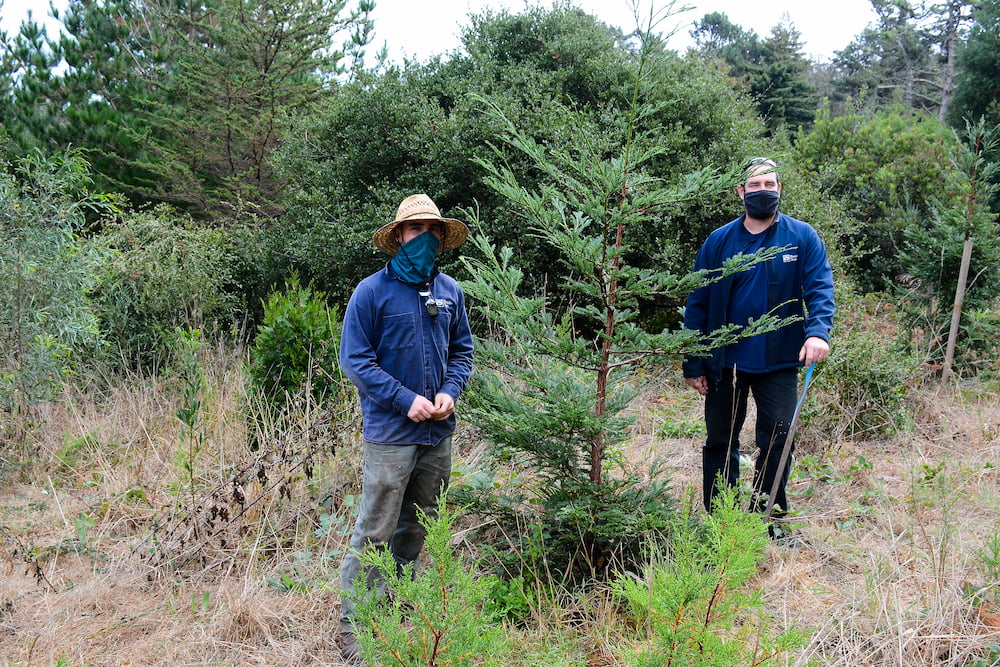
885, 162
563, 78
861, 390
294, 357
47, 325
164, 271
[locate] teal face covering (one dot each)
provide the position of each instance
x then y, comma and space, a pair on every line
414, 262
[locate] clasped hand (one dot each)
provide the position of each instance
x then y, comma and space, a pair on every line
422, 409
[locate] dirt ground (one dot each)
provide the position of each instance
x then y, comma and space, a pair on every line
893, 564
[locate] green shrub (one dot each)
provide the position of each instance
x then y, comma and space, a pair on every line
164, 272
436, 615
295, 354
886, 160
694, 605
861, 390
47, 325
933, 250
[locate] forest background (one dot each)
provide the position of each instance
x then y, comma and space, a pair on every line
188, 195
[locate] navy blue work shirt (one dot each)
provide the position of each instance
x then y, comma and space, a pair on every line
392, 349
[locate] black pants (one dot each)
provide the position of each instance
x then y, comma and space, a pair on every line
775, 396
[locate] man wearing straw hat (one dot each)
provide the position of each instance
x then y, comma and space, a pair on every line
798, 283
407, 347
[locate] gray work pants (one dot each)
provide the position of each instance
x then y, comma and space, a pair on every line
396, 481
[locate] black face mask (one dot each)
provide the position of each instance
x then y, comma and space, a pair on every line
761, 204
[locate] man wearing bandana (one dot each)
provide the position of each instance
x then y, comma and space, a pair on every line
797, 282
407, 347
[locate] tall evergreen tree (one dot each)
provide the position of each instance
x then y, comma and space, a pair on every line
774, 71
736, 49
786, 98
182, 100
26, 74
554, 393
948, 24
888, 60
977, 91
908, 57
238, 70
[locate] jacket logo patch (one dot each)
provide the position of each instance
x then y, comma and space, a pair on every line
789, 258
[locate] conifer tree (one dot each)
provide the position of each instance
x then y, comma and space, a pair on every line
977, 91
558, 376
786, 98
181, 101
238, 69
773, 71
889, 59
958, 242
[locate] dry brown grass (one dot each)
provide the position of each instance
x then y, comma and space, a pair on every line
892, 533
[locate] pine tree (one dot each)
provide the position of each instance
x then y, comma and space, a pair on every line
977, 91
935, 249
558, 375
182, 101
890, 59
773, 71
786, 97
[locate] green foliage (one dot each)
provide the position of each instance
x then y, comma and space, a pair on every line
561, 77
351, 163
47, 325
787, 99
555, 381
694, 604
435, 615
209, 145
887, 162
990, 657
977, 87
82, 86
294, 357
26, 64
932, 253
163, 271
772, 71
181, 102
989, 566
899, 59
188, 345
862, 389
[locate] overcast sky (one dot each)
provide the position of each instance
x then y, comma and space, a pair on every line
422, 28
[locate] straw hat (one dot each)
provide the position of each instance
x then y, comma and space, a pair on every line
420, 207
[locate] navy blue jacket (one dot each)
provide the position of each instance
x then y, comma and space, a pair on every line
800, 276
392, 350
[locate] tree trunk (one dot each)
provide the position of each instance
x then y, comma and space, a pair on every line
956, 313
950, 47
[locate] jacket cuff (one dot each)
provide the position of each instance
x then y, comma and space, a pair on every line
403, 400
693, 368
451, 389
818, 333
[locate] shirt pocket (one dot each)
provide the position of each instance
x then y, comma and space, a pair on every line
446, 311
399, 331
